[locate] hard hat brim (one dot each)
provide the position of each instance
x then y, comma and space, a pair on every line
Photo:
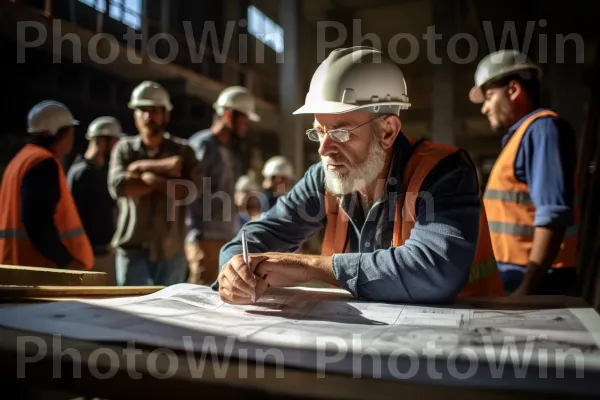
254, 117
89, 136
334, 107
147, 103
476, 95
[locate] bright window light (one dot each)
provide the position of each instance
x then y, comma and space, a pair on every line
265, 29
128, 12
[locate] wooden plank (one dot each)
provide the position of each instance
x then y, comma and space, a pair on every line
37, 276
52, 293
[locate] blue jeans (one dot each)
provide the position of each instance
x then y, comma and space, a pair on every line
559, 281
134, 269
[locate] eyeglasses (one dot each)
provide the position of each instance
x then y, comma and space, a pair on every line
338, 135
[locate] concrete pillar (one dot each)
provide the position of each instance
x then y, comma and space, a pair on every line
443, 109
566, 81
235, 16
165, 15
290, 98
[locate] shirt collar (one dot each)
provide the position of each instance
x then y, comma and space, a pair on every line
138, 145
513, 128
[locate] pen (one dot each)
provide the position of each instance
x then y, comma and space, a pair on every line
245, 257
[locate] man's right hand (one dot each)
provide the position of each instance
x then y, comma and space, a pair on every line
238, 284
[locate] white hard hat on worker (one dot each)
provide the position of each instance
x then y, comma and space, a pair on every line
48, 117
104, 127
278, 166
52, 121
150, 94
236, 107
356, 96
152, 105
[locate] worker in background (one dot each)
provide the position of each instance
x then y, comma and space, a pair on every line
248, 199
217, 149
151, 228
278, 174
39, 223
87, 179
530, 195
403, 218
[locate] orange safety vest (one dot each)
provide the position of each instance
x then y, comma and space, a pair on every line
15, 247
484, 278
511, 211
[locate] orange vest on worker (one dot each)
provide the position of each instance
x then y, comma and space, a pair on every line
15, 247
484, 278
511, 211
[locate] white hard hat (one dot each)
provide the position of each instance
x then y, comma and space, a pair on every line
150, 94
278, 166
246, 184
237, 98
500, 64
47, 117
356, 78
104, 126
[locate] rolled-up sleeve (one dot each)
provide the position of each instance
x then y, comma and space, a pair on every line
117, 168
434, 263
549, 161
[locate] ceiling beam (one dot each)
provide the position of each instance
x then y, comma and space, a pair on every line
359, 5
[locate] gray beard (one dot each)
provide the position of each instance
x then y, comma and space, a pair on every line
359, 175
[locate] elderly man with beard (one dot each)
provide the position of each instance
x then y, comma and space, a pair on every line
403, 218
151, 226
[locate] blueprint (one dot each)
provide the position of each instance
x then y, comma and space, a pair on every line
301, 322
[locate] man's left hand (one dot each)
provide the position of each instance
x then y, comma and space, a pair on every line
291, 269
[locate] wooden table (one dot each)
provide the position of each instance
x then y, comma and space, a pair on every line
247, 380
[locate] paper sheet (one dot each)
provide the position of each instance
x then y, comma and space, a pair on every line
303, 323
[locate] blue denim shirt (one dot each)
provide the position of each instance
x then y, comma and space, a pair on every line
432, 266
213, 215
546, 161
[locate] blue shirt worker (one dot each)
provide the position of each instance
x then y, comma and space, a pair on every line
530, 195
403, 218
213, 219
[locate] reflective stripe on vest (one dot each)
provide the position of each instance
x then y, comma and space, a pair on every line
484, 277
22, 234
511, 210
